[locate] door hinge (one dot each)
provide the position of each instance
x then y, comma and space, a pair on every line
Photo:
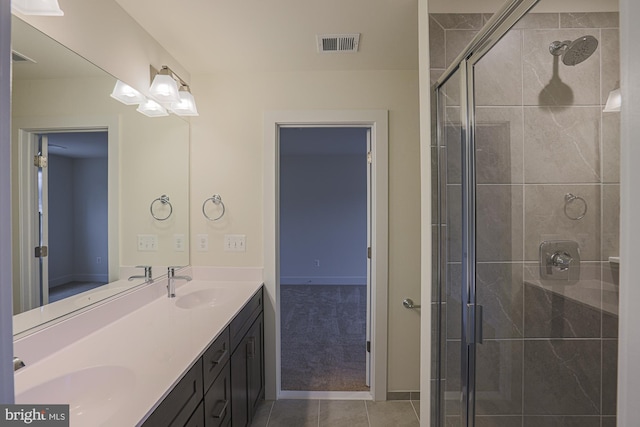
369, 252
41, 251
40, 161
368, 346
369, 157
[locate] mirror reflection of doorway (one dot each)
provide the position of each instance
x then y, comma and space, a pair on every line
324, 290
71, 218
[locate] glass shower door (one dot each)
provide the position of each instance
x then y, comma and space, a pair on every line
524, 165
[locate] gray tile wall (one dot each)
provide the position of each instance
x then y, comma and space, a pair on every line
550, 349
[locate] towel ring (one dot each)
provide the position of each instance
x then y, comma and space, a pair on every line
216, 199
164, 200
570, 198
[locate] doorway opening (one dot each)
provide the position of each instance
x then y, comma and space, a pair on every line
376, 121
324, 269
64, 183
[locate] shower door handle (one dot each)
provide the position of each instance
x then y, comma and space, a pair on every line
474, 324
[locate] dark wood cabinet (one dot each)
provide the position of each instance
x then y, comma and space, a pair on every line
177, 408
225, 385
247, 368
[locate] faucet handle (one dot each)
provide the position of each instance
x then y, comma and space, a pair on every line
17, 363
171, 271
147, 270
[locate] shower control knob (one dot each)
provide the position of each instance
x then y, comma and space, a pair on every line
561, 260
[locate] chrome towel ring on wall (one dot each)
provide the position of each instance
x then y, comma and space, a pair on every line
570, 199
216, 199
164, 200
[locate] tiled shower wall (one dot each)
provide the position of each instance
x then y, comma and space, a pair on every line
550, 349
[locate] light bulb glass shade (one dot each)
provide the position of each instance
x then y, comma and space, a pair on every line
37, 7
151, 108
126, 94
186, 106
614, 101
164, 88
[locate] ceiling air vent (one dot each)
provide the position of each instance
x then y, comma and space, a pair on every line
328, 43
18, 57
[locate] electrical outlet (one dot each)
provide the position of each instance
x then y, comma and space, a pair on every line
202, 242
178, 242
316, 262
98, 260
235, 242
147, 242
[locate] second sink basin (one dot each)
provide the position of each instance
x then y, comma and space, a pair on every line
203, 298
98, 390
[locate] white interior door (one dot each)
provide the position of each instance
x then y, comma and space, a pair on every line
43, 214
369, 198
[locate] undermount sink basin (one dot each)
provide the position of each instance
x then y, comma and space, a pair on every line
98, 391
203, 298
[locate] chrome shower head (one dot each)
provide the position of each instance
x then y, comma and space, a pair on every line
574, 52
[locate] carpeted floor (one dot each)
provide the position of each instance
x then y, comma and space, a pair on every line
323, 331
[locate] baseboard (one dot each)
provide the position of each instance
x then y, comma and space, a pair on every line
403, 395
323, 280
325, 395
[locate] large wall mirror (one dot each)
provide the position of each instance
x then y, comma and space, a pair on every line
97, 188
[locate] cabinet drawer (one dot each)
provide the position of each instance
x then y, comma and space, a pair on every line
176, 409
214, 359
243, 321
217, 401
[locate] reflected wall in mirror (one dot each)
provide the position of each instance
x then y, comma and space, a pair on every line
86, 170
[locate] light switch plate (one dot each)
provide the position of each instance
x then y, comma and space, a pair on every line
147, 242
235, 242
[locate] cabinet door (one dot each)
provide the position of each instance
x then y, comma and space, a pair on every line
247, 375
217, 401
255, 365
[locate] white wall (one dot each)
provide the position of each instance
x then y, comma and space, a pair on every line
227, 158
6, 330
323, 208
629, 333
60, 170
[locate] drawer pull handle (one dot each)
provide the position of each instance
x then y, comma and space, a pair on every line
251, 347
222, 411
220, 358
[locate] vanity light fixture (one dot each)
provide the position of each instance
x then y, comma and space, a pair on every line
187, 104
126, 94
151, 108
614, 102
164, 87
37, 7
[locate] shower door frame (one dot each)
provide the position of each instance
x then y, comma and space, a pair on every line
471, 321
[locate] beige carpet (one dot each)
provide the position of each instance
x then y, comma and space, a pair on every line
323, 339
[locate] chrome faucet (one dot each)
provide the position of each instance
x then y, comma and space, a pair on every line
147, 274
171, 278
17, 363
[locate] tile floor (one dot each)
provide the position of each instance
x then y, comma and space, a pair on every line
337, 413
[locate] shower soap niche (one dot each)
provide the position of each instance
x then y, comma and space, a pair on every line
560, 260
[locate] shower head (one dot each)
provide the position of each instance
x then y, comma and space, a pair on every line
574, 52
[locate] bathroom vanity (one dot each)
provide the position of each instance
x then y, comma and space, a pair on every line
146, 359
225, 385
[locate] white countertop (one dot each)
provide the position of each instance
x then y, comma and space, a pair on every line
120, 370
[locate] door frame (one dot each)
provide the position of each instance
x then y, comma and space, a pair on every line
377, 121
24, 132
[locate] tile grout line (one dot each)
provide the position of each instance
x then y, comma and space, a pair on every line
366, 410
270, 412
